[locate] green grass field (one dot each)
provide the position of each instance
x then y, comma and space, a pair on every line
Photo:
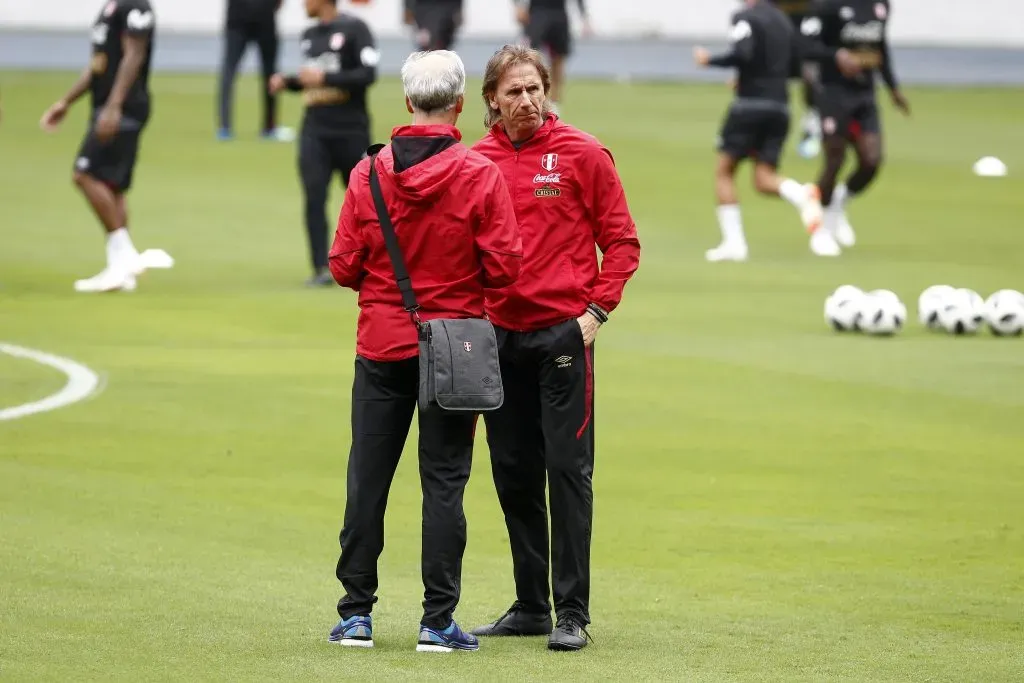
773, 501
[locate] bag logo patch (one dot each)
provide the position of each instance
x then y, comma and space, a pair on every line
467, 345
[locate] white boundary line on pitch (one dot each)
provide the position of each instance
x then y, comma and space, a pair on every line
82, 382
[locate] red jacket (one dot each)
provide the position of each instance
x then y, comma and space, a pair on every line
568, 200
455, 224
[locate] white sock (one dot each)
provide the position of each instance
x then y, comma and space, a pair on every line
839, 197
120, 247
731, 223
793, 192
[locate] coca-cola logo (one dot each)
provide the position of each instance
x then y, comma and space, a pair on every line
549, 178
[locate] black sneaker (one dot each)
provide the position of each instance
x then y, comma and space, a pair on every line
517, 622
570, 634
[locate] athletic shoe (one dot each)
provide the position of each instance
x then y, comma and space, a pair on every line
321, 279
517, 622
570, 634
809, 147
353, 632
448, 640
279, 134
727, 251
822, 241
109, 280
843, 230
225, 135
152, 259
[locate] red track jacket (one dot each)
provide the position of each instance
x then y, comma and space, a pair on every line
569, 202
455, 224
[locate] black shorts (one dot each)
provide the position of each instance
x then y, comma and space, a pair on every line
112, 163
435, 28
550, 31
849, 114
756, 132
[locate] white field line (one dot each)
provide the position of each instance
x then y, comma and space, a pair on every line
82, 382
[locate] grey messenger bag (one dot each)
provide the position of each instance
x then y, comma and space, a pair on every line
459, 368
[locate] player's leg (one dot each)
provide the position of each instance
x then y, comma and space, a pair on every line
734, 144
867, 141
516, 445
235, 41
383, 400
810, 141
767, 180
269, 45
559, 40
567, 395
315, 168
445, 459
835, 126
103, 174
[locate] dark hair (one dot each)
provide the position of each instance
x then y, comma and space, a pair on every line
503, 60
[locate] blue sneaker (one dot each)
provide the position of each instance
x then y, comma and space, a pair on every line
225, 135
452, 638
353, 632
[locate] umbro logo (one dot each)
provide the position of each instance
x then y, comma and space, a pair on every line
564, 361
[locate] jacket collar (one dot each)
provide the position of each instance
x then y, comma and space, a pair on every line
432, 131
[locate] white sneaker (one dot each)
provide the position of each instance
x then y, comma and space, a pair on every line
727, 252
811, 212
823, 243
843, 230
280, 134
152, 259
109, 280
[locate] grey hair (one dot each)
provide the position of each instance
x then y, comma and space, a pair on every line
434, 81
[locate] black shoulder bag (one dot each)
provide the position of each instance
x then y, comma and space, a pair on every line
459, 368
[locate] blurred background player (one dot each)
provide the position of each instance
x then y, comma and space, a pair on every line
117, 79
340, 65
848, 39
436, 22
247, 22
547, 27
807, 72
764, 49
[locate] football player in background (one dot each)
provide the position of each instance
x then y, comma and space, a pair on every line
810, 137
117, 78
341, 60
764, 49
547, 27
436, 22
250, 21
848, 39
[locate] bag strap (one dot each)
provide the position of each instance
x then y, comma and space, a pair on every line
391, 240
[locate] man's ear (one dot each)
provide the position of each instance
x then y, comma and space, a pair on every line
408, 105
460, 104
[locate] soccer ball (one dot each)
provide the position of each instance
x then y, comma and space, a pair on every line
929, 303
1004, 312
962, 312
842, 308
881, 313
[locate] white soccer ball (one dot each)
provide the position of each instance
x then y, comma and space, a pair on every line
881, 313
1004, 312
963, 312
929, 303
842, 308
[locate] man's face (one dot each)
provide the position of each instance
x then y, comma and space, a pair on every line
520, 99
